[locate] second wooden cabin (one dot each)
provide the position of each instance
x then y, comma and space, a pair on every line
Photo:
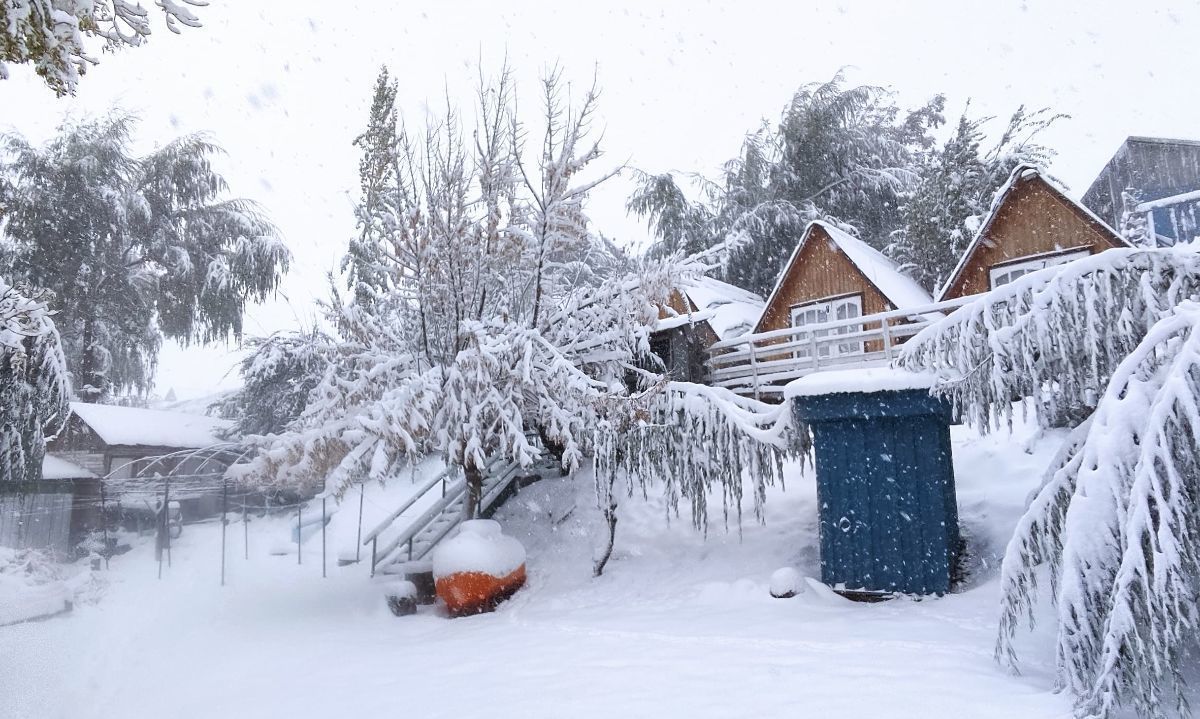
1032, 225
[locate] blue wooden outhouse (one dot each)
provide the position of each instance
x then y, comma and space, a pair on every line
885, 480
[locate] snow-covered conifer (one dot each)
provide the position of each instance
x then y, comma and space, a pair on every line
843, 154
942, 212
133, 248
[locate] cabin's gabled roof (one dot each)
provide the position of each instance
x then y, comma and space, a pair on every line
1021, 175
133, 426
729, 310
900, 290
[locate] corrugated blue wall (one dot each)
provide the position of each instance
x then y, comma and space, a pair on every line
885, 490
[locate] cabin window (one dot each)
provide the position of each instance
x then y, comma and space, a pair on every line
823, 312
1001, 275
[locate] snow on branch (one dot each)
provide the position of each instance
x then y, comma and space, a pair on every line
1055, 335
1114, 524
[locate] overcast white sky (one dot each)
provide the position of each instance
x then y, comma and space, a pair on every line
285, 86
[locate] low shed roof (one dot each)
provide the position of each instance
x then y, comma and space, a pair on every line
150, 427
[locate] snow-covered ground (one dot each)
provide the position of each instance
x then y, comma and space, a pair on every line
679, 626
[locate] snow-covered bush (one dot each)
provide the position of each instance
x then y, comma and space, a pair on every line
1114, 523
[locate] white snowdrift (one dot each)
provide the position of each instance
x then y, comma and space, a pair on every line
873, 379
479, 546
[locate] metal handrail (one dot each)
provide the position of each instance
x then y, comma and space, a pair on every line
453, 494
430, 484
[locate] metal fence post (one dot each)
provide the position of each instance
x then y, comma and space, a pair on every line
323, 521
299, 539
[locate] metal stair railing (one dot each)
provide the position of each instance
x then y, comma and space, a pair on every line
441, 517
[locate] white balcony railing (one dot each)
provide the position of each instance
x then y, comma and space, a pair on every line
759, 365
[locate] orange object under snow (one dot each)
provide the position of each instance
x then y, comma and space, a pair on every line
468, 593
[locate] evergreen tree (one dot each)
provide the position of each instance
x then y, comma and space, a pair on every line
50, 34
843, 154
942, 212
278, 377
134, 248
364, 262
33, 383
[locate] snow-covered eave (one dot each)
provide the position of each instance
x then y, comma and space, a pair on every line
679, 320
1019, 173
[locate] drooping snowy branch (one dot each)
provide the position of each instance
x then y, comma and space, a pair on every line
1056, 335
1114, 524
33, 383
52, 35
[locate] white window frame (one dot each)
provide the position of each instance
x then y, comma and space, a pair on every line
1000, 275
826, 311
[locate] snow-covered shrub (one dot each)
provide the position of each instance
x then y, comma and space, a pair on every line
1114, 522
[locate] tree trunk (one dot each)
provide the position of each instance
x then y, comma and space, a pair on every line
610, 519
90, 388
474, 489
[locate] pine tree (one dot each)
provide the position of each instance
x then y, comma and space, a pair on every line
942, 212
53, 35
33, 383
134, 249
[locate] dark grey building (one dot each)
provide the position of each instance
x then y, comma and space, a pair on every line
1162, 177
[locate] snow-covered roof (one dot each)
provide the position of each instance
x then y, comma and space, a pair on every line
59, 468
1021, 173
897, 288
150, 427
729, 310
870, 379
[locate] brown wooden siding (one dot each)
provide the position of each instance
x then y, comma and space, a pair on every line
821, 271
1033, 220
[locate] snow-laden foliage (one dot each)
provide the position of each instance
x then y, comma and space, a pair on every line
490, 322
53, 35
1114, 524
33, 383
842, 154
278, 376
134, 248
942, 212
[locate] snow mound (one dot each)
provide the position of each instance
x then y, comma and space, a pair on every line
872, 379
787, 582
479, 546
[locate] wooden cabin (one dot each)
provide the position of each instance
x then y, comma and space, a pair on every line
834, 276
1032, 225
700, 312
1155, 177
